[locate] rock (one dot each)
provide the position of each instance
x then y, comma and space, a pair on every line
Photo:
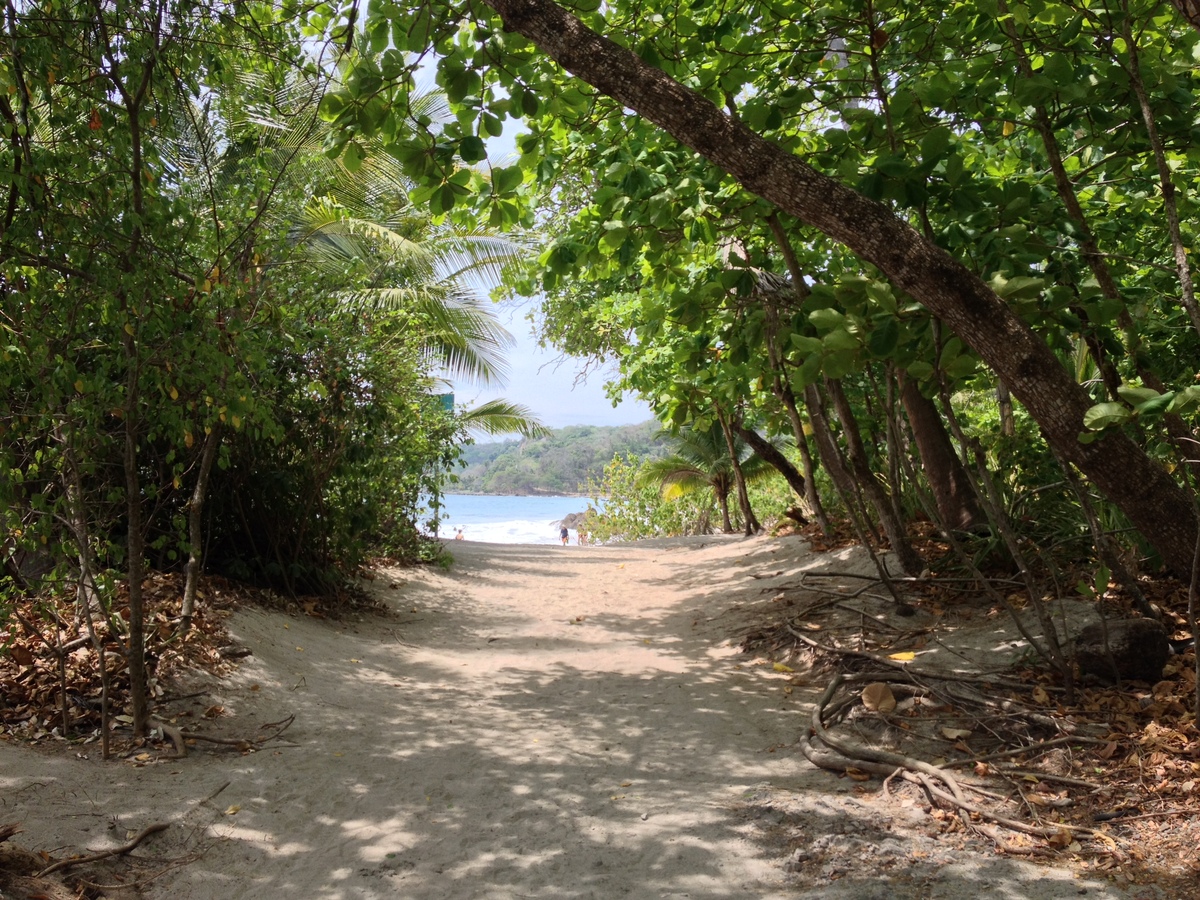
1139, 649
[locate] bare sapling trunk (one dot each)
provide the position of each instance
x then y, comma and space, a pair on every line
136, 549
212, 443
910, 560
1051, 650
87, 593
781, 387
844, 484
750, 524
1193, 611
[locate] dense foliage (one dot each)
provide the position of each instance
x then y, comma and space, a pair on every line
217, 344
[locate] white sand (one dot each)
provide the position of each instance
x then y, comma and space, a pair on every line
539, 722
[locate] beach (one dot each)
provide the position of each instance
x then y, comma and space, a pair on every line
534, 722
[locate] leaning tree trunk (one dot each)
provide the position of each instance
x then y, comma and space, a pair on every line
1143, 490
948, 481
774, 457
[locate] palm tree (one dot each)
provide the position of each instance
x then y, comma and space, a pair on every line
701, 461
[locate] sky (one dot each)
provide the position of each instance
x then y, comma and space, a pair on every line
546, 383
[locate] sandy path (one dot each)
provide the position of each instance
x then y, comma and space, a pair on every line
539, 722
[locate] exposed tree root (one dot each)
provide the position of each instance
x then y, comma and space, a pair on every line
835, 752
180, 738
115, 851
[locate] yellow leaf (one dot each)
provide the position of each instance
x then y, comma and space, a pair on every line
174, 393
79, 385
142, 757
178, 484
188, 440
1009, 128
237, 421
233, 810
857, 774
902, 657
1040, 696
780, 667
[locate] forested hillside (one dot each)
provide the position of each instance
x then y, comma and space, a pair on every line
562, 463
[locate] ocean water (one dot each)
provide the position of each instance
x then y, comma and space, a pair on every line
507, 520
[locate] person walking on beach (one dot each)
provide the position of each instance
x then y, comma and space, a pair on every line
565, 535
459, 536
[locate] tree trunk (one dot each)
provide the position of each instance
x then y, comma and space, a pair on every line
749, 520
723, 502
947, 479
195, 528
772, 455
909, 559
831, 458
136, 549
1152, 500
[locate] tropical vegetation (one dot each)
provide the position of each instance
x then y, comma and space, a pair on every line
948, 256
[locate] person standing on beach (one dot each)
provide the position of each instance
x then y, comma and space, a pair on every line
565, 535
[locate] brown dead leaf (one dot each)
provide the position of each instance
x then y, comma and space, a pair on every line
878, 696
214, 711
21, 655
857, 774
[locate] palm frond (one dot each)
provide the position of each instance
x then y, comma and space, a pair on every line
497, 417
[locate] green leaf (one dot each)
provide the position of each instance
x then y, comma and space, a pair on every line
471, 149
1155, 405
1134, 395
840, 339
506, 179
826, 319
935, 143
1102, 415
883, 338
353, 157
332, 105
806, 345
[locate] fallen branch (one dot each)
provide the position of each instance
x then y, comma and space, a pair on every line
96, 857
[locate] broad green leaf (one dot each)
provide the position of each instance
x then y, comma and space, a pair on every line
1135, 395
1102, 415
